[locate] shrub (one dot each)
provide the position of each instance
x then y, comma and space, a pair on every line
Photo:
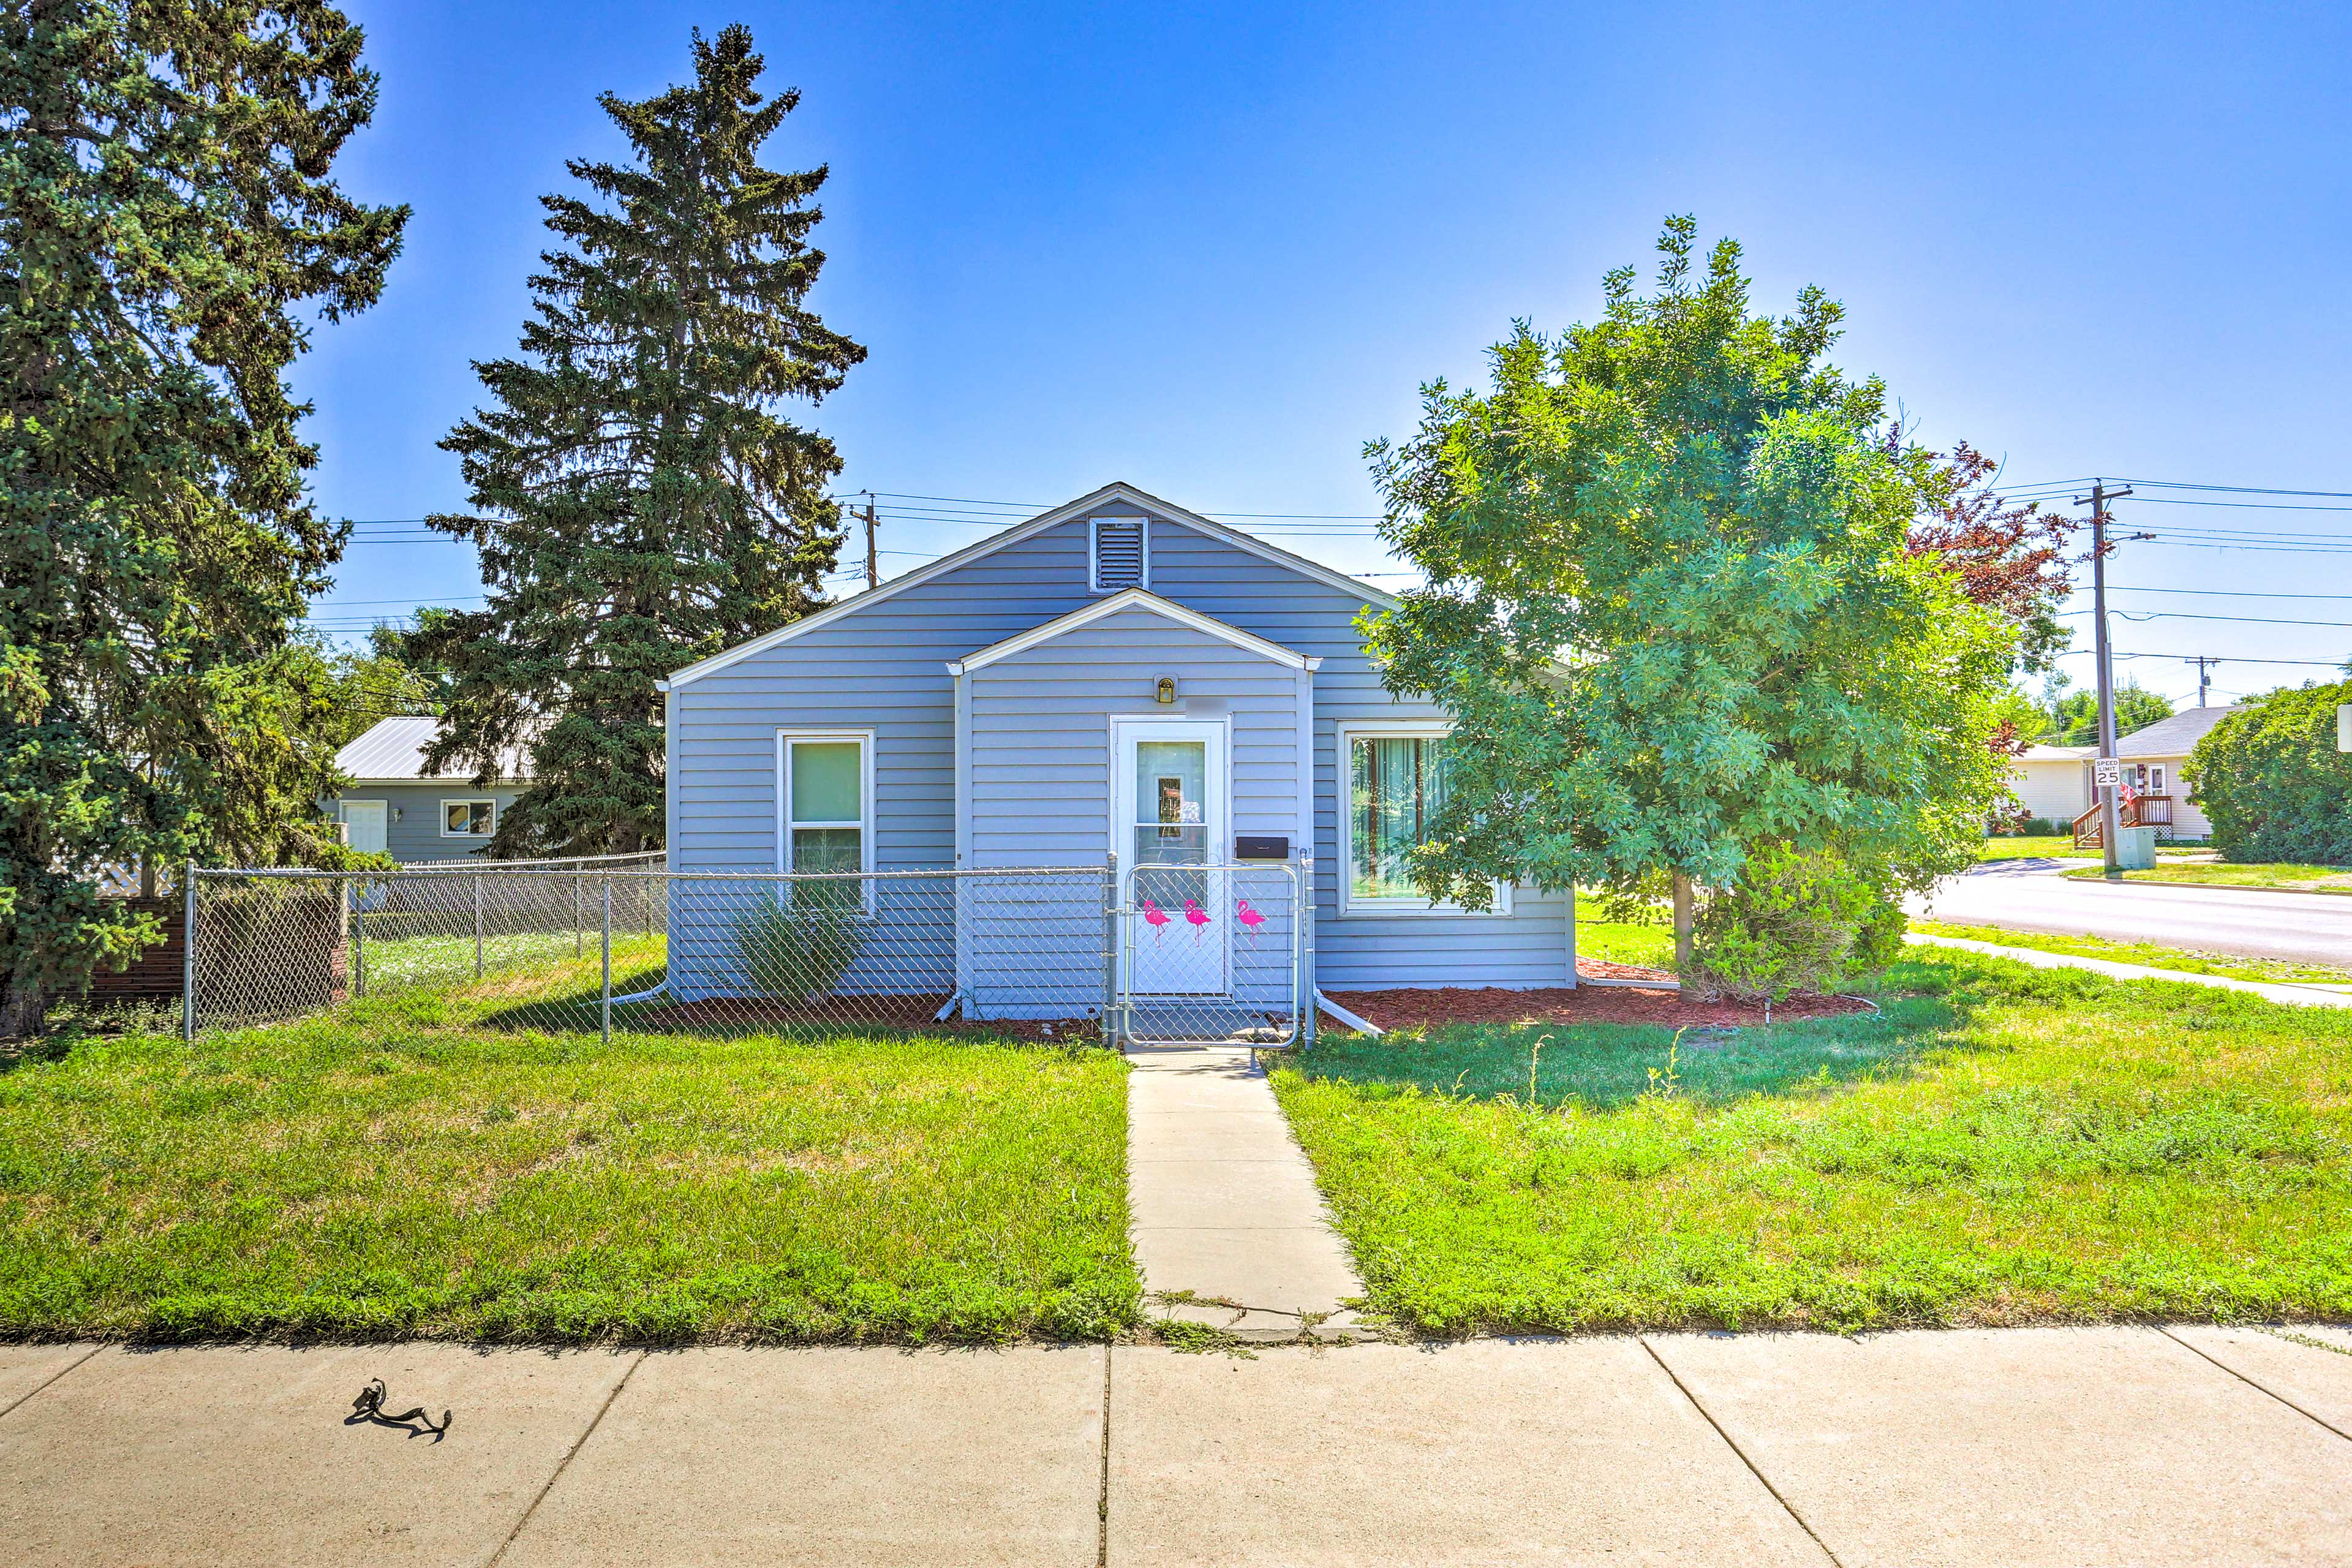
1795, 921
2270, 779
798, 950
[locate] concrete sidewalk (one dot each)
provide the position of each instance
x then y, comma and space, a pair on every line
2270, 991
1225, 1214
2188, 1445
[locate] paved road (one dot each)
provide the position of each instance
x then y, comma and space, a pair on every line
2032, 896
2186, 1448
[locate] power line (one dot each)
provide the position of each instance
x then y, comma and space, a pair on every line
2233, 658
2223, 592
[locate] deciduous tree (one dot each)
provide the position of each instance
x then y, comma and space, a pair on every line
2009, 556
2270, 778
1673, 605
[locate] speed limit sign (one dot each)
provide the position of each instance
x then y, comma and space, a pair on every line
2106, 773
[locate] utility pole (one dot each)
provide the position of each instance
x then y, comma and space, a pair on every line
2110, 824
2202, 664
873, 560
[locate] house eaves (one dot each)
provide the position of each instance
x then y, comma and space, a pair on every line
1084, 505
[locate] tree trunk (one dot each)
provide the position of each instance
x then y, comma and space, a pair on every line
1682, 922
25, 1012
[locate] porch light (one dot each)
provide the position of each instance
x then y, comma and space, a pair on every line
1166, 692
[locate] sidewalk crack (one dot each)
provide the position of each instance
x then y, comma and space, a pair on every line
1102, 1496
565, 1463
1731, 1443
45, 1382
2257, 1387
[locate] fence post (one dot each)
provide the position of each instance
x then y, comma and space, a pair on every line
579, 933
1110, 1030
478, 925
1310, 1014
188, 955
355, 922
605, 1008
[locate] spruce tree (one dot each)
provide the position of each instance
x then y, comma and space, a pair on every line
641, 500
166, 221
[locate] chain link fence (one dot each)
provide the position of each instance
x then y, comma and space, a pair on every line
1162, 954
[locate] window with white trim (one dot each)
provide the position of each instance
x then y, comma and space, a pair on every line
825, 800
1119, 554
469, 818
1395, 782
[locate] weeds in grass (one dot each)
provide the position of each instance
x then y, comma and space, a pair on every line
408, 1167
1667, 1081
1999, 1144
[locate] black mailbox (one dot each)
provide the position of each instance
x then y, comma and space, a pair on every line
1261, 847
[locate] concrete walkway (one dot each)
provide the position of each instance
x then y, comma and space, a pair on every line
2294, 995
1228, 1227
2005, 1448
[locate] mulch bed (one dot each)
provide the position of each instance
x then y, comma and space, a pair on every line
1601, 969
850, 1012
1585, 1004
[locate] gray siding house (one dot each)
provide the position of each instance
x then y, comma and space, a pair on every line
1115, 674
394, 807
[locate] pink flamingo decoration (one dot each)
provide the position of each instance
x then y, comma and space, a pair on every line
1154, 915
1247, 912
1198, 916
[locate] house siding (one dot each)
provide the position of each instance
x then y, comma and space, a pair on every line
1039, 752
417, 835
885, 669
2057, 789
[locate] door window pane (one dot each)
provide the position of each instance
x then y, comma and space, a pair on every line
827, 781
1172, 781
1397, 783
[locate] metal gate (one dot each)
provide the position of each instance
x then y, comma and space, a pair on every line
1211, 951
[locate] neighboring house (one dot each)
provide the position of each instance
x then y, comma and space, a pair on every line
2152, 756
394, 807
1118, 673
2053, 782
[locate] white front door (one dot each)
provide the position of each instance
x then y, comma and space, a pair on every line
1168, 824
366, 819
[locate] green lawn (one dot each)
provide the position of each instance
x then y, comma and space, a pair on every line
2233, 965
2219, 874
2003, 1144
2060, 847
2027, 846
1597, 937
417, 1166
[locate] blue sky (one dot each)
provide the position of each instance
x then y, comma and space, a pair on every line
1212, 249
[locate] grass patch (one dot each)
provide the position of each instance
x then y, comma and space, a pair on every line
2027, 846
2060, 847
2003, 1144
1652, 946
2221, 874
417, 1166
2234, 966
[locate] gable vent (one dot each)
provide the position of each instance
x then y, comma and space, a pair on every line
1121, 554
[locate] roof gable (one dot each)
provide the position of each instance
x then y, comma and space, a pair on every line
1132, 599
1084, 505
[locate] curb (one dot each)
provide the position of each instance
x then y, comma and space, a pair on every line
2209, 887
